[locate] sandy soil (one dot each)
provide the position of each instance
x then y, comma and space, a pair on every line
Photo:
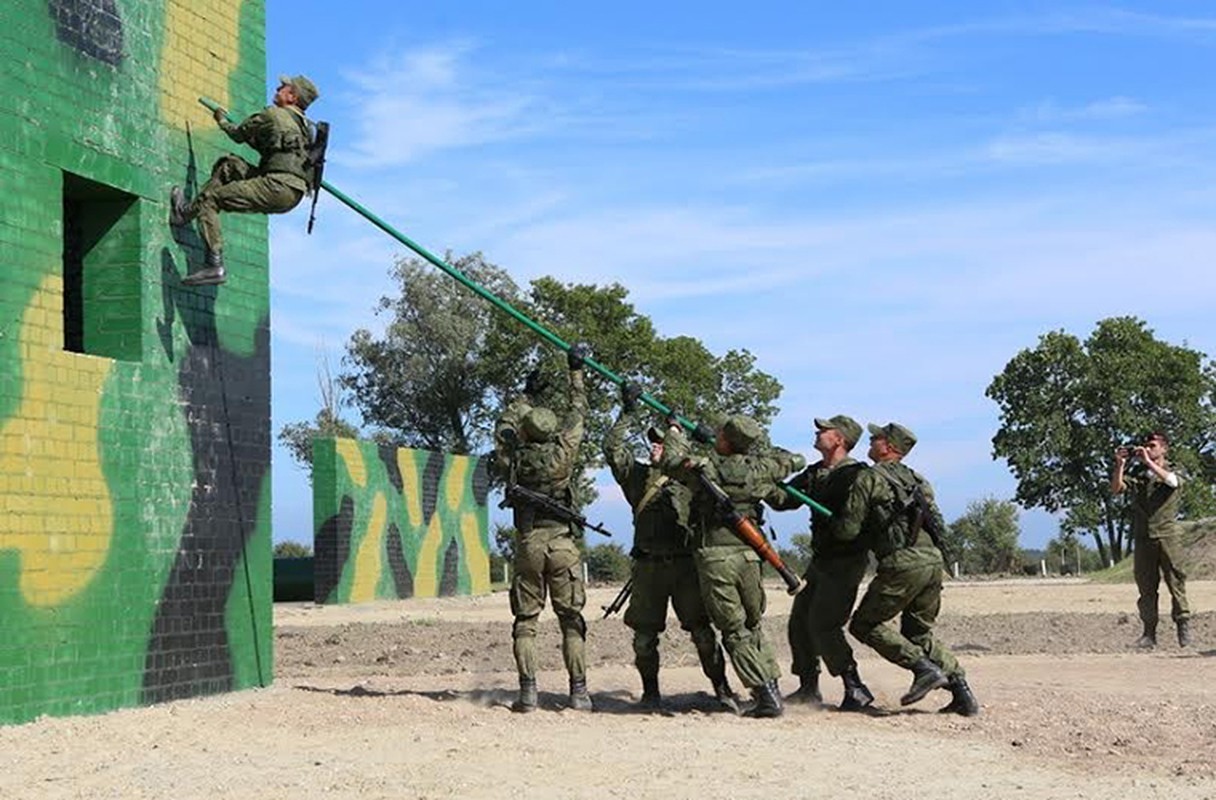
409, 699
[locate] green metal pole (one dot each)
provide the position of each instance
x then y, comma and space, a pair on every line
506, 307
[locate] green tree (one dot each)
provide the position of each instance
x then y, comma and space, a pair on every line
504, 541
1066, 404
291, 549
680, 371
1068, 555
607, 562
444, 367
435, 377
987, 534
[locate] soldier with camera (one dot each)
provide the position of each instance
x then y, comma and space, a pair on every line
1154, 502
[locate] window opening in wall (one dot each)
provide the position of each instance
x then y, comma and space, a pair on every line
102, 306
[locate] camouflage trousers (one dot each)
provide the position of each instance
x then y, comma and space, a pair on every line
820, 612
1153, 561
914, 594
547, 562
657, 580
236, 185
734, 598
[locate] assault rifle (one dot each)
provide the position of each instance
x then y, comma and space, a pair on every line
516, 496
925, 519
749, 534
618, 602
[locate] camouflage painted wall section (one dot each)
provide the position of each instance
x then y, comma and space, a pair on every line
135, 554
395, 522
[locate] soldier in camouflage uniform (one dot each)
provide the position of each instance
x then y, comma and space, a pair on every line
838, 564
547, 560
1154, 503
728, 569
662, 554
281, 135
896, 504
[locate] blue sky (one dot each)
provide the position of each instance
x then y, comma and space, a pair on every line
883, 204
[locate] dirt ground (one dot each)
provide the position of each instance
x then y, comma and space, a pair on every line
410, 700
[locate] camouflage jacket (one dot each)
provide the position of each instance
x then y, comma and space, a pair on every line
660, 505
281, 137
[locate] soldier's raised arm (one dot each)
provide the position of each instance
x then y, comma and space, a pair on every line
617, 452
573, 426
775, 466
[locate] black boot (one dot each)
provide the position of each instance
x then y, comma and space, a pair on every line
808, 691
211, 274
527, 696
726, 695
768, 701
179, 209
1148, 639
651, 699
1184, 632
964, 703
857, 695
926, 676
579, 699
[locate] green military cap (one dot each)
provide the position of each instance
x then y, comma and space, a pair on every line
306, 90
848, 427
896, 435
539, 424
741, 432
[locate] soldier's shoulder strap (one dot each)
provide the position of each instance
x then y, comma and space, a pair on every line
650, 494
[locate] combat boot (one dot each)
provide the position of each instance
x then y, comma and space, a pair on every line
1148, 639
964, 703
768, 701
926, 676
726, 695
211, 274
1184, 632
651, 700
179, 208
527, 696
857, 696
579, 699
808, 691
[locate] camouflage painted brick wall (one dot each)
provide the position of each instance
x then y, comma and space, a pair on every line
134, 412
394, 522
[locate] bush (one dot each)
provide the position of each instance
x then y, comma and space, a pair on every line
608, 563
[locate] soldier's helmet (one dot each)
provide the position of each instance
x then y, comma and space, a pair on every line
741, 432
539, 424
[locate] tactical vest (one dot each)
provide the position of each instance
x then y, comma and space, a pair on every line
1155, 508
287, 149
541, 467
831, 490
736, 474
896, 534
660, 526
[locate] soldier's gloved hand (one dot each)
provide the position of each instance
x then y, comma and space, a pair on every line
535, 384
577, 355
220, 114
696, 463
630, 392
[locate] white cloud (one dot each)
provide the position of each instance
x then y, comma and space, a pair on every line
421, 101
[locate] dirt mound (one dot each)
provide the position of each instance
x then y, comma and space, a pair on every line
1199, 541
1199, 549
